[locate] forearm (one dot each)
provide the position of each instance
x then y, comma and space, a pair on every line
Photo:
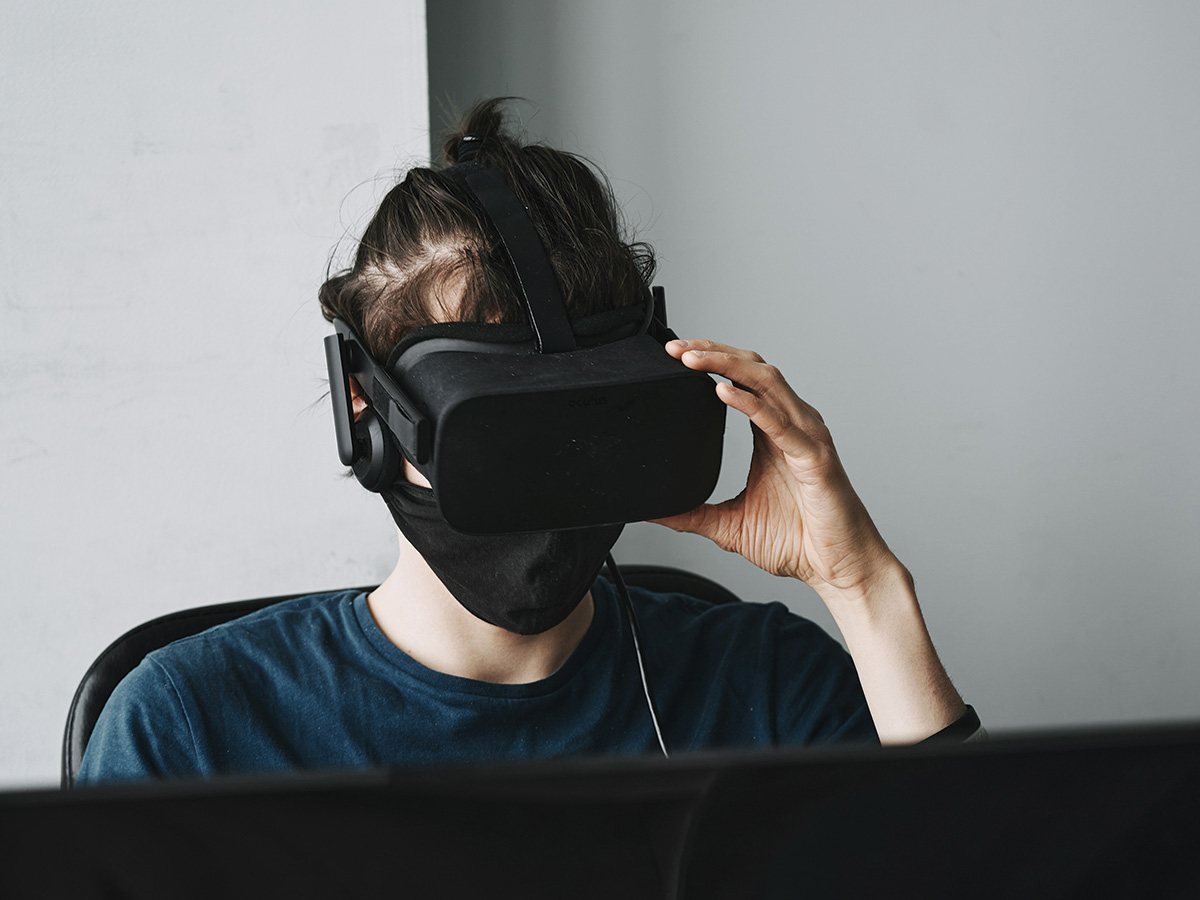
907, 689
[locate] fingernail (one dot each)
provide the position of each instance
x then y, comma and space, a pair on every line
679, 343
696, 353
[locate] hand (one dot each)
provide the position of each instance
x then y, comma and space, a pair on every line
798, 515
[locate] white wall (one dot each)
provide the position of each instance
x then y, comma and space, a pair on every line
969, 233
173, 179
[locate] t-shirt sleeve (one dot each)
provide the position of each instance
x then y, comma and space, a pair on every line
143, 731
818, 697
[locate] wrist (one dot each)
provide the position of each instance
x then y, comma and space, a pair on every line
888, 586
906, 687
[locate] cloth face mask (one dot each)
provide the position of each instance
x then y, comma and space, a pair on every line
525, 583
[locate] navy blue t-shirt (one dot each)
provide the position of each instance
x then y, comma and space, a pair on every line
313, 683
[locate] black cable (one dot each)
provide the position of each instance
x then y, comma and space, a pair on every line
637, 649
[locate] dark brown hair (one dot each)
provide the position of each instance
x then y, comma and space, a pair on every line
427, 241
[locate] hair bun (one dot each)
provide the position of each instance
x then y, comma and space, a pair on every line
482, 131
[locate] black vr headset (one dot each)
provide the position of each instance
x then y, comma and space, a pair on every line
537, 427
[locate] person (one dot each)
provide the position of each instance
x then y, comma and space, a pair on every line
508, 646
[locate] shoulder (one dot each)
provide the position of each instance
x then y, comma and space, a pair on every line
746, 622
270, 656
158, 720
762, 650
142, 731
307, 611
681, 630
288, 626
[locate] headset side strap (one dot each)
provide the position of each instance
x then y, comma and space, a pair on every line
393, 406
339, 393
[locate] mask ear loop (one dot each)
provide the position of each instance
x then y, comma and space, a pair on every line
637, 649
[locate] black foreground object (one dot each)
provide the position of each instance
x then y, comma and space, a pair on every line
604, 435
1085, 814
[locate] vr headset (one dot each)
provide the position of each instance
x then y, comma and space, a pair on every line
536, 427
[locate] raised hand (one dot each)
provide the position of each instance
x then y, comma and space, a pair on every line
798, 514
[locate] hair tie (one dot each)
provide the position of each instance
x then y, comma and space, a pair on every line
469, 146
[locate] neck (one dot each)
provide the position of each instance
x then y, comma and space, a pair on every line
420, 616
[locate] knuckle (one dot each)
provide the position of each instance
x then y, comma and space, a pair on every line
825, 455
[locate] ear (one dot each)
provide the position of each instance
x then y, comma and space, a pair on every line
358, 400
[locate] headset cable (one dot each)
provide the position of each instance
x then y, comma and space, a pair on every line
637, 649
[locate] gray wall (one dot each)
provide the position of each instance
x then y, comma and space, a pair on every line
969, 235
172, 179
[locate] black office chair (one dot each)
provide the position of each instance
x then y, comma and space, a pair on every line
123, 654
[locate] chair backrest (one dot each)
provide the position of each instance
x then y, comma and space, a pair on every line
123, 654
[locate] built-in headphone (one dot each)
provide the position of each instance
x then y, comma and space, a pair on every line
364, 443
381, 462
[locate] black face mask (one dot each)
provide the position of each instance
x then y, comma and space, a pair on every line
525, 583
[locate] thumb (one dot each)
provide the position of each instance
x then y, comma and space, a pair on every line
710, 520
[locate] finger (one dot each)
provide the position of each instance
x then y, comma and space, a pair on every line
749, 372
752, 372
743, 366
679, 346
783, 432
